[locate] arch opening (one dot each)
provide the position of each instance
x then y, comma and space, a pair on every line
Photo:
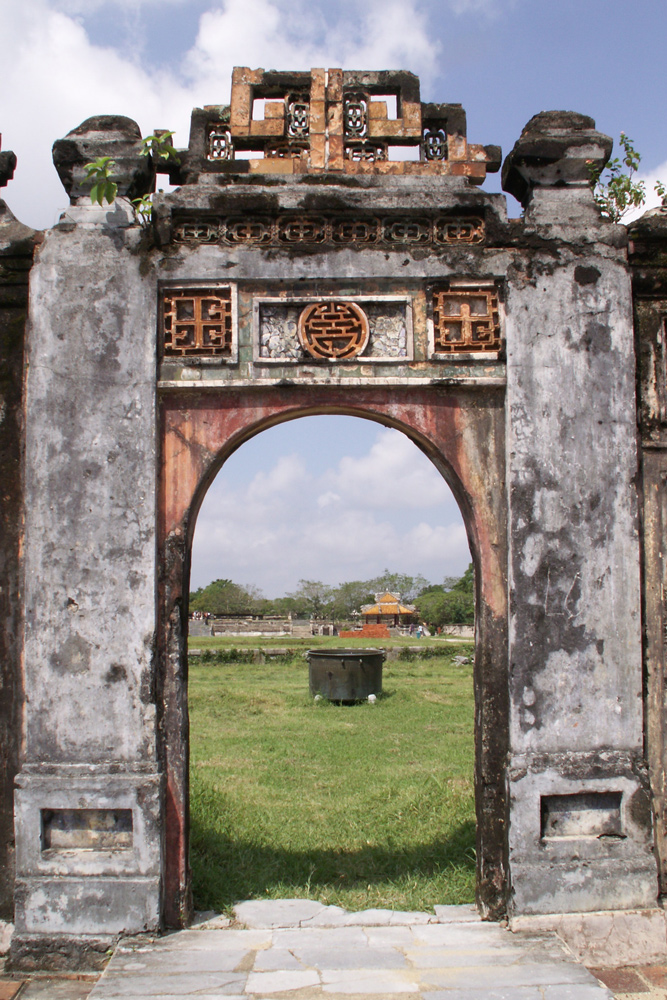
368, 806
465, 444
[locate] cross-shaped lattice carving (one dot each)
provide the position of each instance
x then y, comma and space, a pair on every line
197, 322
465, 321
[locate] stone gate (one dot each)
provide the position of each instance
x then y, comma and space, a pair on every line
329, 250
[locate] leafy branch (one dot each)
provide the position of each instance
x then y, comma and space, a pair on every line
144, 208
615, 190
159, 144
98, 173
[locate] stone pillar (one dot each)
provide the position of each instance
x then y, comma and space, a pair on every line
648, 261
16, 251
579, 826
89, 775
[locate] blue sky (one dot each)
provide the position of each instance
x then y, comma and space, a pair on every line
504, 60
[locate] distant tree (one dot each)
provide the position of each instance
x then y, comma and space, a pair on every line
311, 598
224, 597
398, 583
451, 603
349, 597
285, 606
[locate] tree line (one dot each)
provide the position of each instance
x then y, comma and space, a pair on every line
451, 602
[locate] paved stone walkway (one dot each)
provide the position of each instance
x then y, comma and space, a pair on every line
302, 950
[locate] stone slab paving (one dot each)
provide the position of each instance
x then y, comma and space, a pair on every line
302, 950
46, 987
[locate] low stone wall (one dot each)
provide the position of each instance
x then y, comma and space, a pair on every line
459, 631
250, 626
198, 627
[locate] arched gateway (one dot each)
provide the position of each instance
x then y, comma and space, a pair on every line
321, 275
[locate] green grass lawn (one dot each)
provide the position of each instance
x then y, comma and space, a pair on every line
361, 805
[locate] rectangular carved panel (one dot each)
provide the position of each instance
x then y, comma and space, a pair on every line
465, 321
86, 829
277, 323
197, 322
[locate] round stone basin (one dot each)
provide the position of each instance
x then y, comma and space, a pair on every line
345, 675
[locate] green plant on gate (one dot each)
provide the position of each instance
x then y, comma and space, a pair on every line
144, 208
159, 144
615, 189
661, 192
98, 174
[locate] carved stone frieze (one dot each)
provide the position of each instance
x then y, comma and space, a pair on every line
385, 233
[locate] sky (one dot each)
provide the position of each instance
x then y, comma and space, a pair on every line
332, 499
339, 499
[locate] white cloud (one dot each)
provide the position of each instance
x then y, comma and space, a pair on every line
488, 8
89, 6
287, 475
285, 523
58, 79
54, 76
327, 499
393, 473
396, 36
431, 542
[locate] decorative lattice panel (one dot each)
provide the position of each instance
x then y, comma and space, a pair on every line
197, 323
465, 321
355, 115
220, 145
333, 330
392, 233
350, 121
298, 115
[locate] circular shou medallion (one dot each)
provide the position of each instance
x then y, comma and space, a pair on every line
333, 331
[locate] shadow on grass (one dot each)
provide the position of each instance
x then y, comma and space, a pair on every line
227, 870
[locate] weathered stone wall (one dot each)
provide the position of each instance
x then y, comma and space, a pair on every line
16, 253
89, 591
574, 588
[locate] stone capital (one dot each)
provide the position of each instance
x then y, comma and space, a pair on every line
104, 135
557, 149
